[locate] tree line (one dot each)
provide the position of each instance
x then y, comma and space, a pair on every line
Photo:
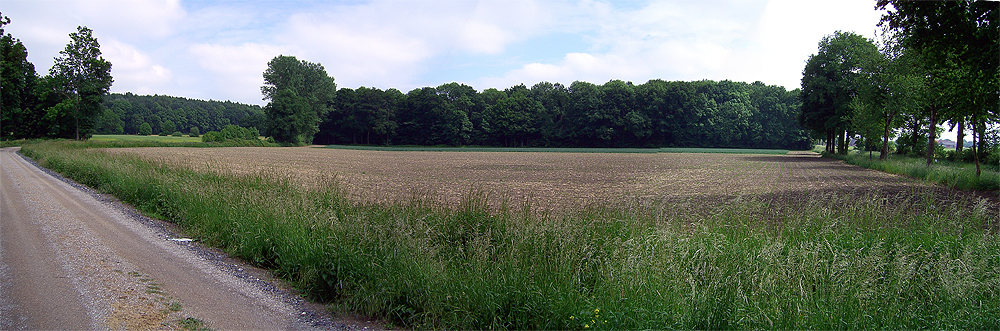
615, 114
127, 113
937, 63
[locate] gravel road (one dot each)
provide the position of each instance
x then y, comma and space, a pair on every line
71, 258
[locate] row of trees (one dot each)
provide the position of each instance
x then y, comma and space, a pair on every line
63, 103
303, 108
128, 113
937, 64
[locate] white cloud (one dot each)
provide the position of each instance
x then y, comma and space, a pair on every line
789, 31
133, 70
668, 40
235, 72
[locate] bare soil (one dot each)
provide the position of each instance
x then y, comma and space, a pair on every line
549, 180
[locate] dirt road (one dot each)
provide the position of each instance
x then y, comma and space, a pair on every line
70, 259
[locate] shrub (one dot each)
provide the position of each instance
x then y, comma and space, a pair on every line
177, 134
194, 132
212, 136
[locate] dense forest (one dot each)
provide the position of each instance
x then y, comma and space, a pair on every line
126, 113
615, 114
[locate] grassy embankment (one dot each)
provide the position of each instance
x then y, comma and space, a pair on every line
834, 262
958, 175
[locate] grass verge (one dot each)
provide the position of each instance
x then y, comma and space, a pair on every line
951, 174
831, 262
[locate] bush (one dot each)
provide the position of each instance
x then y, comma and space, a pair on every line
194, 132
177, 134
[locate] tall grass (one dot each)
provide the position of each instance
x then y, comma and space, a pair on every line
830, 262
952, 174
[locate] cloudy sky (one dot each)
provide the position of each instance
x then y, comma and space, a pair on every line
219, 49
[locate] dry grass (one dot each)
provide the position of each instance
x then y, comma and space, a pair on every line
548, 180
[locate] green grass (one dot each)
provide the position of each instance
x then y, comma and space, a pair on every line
558, 150
958, 175
167, 139
830, 262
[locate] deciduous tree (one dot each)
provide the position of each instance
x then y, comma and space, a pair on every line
301, 94
84, 77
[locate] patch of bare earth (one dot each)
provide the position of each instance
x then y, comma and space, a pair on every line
550, 180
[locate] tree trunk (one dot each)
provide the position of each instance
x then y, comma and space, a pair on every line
884, 153
842, 142
931, 136
961, 138
830, 142
975, 144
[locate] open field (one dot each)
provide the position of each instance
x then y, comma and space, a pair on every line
662, 241
544, 179
126, 137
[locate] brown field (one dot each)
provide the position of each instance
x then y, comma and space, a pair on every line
550, 179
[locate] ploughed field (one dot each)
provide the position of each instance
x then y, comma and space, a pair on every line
548, 180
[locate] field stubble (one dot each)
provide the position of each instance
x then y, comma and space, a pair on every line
549, 180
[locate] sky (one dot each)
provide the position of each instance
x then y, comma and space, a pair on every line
219, 49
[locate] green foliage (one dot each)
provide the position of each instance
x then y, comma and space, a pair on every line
830, 81
300, 95
131, 111
83, 76
167, 127
955, 175
177, 134
145, 129
18, 81
232, 133
616, 114
194, 133
867, 261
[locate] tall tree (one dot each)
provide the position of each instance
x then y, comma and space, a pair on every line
960, 41
85, 77
829, 85
301, 94
17, 83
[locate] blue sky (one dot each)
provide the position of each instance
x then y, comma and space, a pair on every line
219, 49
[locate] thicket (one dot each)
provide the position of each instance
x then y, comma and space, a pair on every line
860, 261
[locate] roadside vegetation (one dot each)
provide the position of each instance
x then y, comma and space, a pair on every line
954, 174
863, 260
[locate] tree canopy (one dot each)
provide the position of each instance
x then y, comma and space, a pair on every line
301, 94
615, 114
83, 76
